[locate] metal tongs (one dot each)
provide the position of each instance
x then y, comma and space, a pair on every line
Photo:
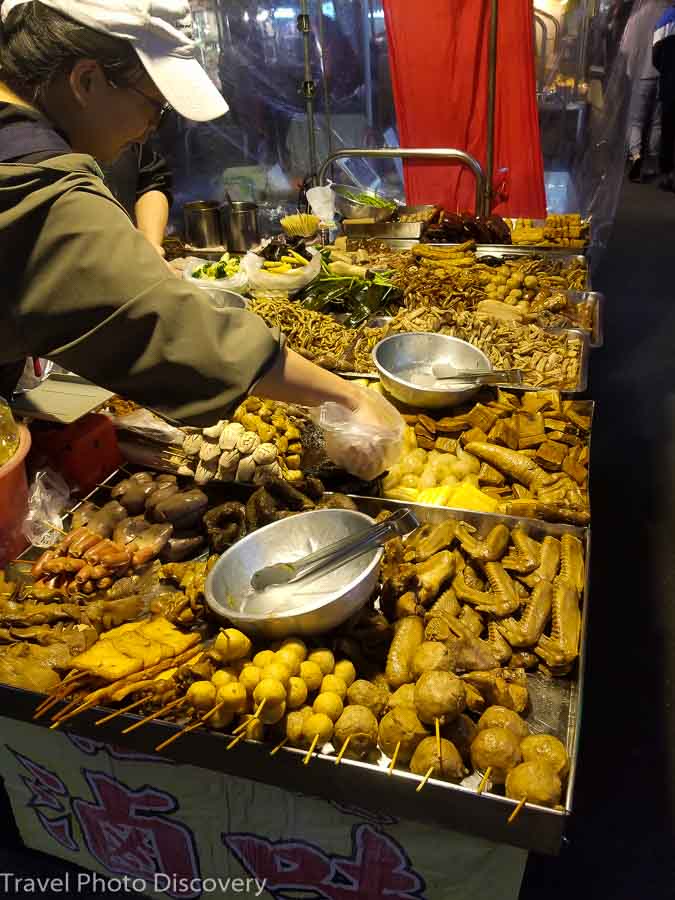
446, 372
334, 555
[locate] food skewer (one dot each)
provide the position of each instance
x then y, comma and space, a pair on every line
71, 714
343, 750
392, 764
188, 728
516, 811
235, 741
155, 715
278, 747
426, 777
256, 715
312, 747
483, 781
70, 705
120, 712
58, 695
438, 740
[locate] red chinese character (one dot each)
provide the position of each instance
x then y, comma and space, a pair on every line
46, 789
125, 831
378, 868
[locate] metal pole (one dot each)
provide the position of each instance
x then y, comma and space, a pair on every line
326, 85
308, 85
492, 84
411, 153
367, 62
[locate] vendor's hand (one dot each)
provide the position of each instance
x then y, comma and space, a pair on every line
158, 248
364, 436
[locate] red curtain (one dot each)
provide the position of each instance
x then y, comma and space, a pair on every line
439, 65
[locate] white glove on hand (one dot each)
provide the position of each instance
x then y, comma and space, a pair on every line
366, 441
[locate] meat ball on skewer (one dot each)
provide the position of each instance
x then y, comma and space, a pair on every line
448, 768
439, 695
359, 725
401, 726
461, 732
501, 717
535, 782
365, 693
496, 749
548, 748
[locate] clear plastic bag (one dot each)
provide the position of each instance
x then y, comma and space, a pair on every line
366, 442
236, 283
288, 282
9, 433
47, 500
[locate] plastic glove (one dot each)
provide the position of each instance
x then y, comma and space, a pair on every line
365, 441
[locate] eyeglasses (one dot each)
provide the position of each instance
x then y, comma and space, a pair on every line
162, 107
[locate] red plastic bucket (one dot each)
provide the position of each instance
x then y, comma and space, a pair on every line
14, 500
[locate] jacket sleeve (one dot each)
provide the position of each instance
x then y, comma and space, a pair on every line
98, 300
154, 174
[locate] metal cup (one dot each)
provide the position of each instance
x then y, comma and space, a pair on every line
240, 225
202, 224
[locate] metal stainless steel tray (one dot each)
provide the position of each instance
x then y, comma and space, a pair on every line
506, 251
597, 302
580, 388
556, 707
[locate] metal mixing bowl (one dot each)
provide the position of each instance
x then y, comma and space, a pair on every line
318, 603
397, 356
351, 210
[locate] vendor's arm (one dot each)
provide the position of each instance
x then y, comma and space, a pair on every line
153, 197
95, 298
152, 216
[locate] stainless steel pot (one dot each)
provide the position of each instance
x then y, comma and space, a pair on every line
202, 224
240, 225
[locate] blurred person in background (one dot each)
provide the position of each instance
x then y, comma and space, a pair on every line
644, 119
663, 56
141, 181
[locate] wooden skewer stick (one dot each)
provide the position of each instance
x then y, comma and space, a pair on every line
71, 715
52, 527
279, 746
426, 777
343, 750
188, 728
438, 739
312, 747
516, 811
392, 764
235, 741
256, 715
45, 707
62, 690
121, 712
483, 781
59, 692
155, 715
67, 708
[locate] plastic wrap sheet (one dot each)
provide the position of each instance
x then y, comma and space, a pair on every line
589, 59
259, 151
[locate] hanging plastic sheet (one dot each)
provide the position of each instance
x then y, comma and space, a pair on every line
439, 66
590, 86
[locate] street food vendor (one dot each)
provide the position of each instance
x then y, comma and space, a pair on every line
82, 80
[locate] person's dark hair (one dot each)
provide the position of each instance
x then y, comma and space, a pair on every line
38, 43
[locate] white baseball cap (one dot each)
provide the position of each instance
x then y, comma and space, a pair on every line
159, 31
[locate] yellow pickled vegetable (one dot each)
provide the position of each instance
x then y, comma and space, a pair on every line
466, 496
438, 496
407, 495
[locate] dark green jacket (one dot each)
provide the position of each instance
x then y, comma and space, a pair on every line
81, 286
